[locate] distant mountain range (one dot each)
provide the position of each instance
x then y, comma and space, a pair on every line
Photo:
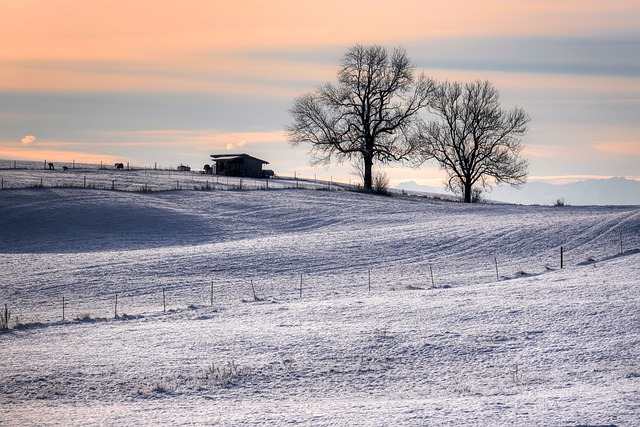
612, 191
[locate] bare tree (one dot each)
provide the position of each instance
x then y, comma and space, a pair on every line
370, 114
474, 140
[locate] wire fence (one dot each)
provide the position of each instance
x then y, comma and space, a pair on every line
185, 296
15, 174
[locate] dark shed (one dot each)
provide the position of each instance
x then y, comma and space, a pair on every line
241, 165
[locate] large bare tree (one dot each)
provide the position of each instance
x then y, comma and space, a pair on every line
474, 140
370, 114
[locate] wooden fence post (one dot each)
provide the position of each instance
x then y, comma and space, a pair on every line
255, 296
621, 251
561, 257
5, 317
433, 285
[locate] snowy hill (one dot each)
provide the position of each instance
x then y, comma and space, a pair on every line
315, 308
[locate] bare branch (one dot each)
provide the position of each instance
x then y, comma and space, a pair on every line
474, 140
370, 114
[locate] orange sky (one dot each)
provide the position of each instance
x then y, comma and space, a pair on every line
79, 45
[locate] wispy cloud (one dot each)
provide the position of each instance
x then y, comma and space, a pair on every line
28, 140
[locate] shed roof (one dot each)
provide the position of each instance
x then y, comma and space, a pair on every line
236, 156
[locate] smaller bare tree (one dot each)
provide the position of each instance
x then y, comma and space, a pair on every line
475, 141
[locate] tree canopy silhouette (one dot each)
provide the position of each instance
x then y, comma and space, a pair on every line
474, 140
371, 113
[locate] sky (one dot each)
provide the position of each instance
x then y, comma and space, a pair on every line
171, 82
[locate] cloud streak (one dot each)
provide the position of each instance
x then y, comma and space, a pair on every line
624, 148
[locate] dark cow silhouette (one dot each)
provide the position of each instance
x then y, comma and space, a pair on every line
51, 166
119, 166
208, 169
64, 168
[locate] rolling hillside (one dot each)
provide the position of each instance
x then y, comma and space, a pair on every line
315, 307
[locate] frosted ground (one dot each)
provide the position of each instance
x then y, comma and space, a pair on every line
367, 340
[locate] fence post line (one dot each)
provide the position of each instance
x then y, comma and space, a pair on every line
211, 298
369, 280
300, 285
255, 297
497, 275
561, 257
63, 309
164, 301
115, 310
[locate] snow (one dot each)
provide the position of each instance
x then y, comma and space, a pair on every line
537, 345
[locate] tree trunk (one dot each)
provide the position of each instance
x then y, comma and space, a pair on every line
467, 192
368, 176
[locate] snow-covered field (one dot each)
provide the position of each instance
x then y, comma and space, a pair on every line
315, 307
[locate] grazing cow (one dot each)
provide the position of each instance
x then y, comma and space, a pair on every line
64, 168
208, 169
51, 166
119, 166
